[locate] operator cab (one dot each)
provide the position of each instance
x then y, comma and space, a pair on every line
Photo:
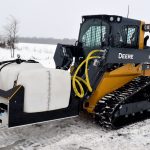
102, 31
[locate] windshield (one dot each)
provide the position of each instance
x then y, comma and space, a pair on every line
94, 34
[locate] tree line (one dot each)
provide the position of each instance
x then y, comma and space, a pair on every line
10, 37
46, 40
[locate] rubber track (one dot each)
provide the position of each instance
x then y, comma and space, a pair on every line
109, 104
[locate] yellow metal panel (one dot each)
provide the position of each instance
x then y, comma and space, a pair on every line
146, 72
128, 69
141, 37
112, 81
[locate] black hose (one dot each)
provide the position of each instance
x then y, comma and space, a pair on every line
18, 61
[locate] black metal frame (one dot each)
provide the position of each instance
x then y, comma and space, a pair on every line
17, 116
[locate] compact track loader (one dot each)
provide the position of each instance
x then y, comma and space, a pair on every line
105, 74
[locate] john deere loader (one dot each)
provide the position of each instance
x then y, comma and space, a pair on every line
106, 74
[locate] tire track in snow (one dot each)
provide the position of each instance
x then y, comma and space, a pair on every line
9, 147
35, 136
75, 134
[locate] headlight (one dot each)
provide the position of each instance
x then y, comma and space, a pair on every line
111, 19
118, 19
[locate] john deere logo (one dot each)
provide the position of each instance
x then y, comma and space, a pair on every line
125, 56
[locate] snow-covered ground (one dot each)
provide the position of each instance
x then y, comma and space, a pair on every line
79, 133
76, 134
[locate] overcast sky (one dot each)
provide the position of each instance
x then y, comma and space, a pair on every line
61, 18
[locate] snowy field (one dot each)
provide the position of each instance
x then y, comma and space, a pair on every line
39, 52
79, 133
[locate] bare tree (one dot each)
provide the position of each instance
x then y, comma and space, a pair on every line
11, 31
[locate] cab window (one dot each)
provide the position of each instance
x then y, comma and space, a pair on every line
129, 36
94, 34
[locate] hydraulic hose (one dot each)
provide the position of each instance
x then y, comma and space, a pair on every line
76, 80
